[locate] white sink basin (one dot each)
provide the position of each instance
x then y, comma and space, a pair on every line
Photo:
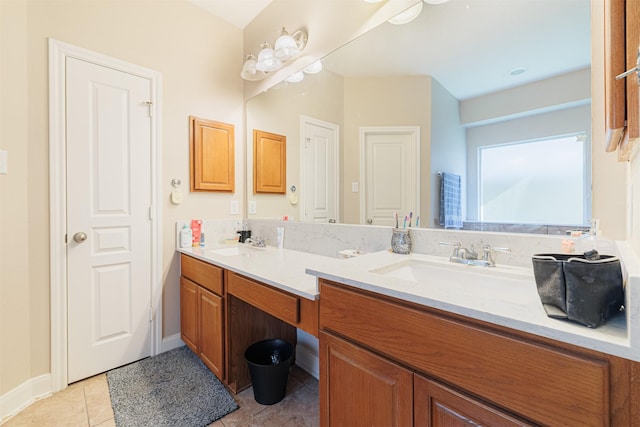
418, 270
235, 250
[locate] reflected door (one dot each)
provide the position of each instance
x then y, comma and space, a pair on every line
320, 170
389, 171
108, 208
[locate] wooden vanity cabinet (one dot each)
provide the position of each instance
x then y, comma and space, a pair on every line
462, 370
202, 312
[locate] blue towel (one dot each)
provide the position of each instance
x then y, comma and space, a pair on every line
450, 205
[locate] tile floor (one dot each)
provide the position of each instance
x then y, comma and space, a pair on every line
87, 404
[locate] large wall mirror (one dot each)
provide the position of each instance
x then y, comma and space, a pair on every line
495, 92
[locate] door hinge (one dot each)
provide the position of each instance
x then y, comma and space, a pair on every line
65, 238
150, 314
150, 213
150, 105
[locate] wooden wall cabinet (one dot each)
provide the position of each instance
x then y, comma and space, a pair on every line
461, 369
212, 155
202, 312
622, 100
269, 162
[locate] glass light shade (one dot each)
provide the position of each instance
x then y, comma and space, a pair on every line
296, 77
313, 68
249, 71
408, 15
266, 59
286, 47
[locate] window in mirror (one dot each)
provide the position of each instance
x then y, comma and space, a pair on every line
534, 181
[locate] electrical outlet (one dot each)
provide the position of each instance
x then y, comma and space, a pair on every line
233, 207
252, 207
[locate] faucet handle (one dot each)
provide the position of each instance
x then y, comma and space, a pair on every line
456, 247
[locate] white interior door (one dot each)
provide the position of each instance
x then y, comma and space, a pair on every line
320, 170
108, 218
390, 173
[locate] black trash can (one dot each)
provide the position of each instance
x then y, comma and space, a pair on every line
269, 362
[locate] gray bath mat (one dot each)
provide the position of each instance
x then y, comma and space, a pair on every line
171, 389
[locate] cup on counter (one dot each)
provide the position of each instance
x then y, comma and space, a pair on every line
280, 237
401, 241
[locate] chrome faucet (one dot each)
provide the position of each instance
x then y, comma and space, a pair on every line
469, 256
256, 241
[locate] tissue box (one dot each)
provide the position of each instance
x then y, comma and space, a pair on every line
587, 291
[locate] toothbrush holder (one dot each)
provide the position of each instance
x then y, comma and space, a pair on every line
401, 241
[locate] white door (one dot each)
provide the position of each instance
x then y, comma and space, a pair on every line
320, 170
389, 171
108, 218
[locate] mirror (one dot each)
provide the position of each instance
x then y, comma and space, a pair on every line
468, 75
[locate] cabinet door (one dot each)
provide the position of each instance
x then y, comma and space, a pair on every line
359, 388
211, 331
189, 313
438, 406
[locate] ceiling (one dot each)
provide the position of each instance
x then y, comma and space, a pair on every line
236, 12
472, 46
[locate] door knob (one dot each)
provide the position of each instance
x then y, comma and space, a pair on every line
369, 221
80, 237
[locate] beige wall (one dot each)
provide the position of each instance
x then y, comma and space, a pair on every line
383, 101
199, 57
278, 111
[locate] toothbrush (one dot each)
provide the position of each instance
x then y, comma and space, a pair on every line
410, 218
396, 216
405, 222
418, 221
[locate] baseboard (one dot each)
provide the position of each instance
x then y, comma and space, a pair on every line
14, 401
171, 342
307, 359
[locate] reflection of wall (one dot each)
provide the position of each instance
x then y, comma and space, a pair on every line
383, 101
278, 111
552, 107
448, 149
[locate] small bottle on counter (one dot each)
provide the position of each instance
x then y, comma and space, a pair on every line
185, 237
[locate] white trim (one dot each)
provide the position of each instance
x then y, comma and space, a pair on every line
364, 131
308, 360
14, 401
171, 342
58, 53
335, 128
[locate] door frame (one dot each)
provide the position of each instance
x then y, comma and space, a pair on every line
336, 158
377, 130
58, 53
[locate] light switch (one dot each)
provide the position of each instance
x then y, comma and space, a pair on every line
4, 168
234, 207
354, 187
252, 207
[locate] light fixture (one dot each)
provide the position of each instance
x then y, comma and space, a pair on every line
267, 60
435, 1
249, 70
286, 48
313, 68
408, 15
296, 77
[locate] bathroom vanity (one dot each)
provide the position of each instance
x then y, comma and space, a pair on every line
416, 340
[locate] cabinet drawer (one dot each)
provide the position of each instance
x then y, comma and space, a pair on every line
541, 383
204, 274
282, 305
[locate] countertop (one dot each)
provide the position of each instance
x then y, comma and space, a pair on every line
280, 268
504, 295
